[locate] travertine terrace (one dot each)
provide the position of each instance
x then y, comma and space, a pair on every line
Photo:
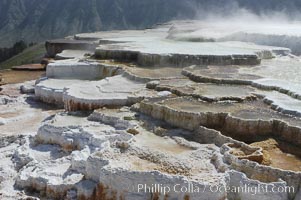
163, 113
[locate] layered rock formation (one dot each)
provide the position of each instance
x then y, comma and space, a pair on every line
136, 124
54, 47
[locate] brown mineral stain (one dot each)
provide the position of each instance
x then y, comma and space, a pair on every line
155, 196
12, 77
276, 157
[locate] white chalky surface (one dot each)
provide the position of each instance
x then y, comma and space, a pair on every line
67, 154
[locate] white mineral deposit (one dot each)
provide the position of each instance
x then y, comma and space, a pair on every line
184, 110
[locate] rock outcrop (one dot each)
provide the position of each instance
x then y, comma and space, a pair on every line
54, 47
111, 92
137, 125
76, 69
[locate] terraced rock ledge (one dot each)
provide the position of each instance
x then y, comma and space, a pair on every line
153, 115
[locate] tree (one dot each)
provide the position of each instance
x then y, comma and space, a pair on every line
6, 53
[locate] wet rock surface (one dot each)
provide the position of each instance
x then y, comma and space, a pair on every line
153, 117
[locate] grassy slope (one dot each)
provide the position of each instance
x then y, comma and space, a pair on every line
32, 54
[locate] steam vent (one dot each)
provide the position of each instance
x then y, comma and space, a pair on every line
166, 113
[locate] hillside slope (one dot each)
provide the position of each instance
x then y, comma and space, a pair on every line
32, 54
35, 20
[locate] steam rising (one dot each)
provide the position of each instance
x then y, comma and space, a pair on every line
233, 23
